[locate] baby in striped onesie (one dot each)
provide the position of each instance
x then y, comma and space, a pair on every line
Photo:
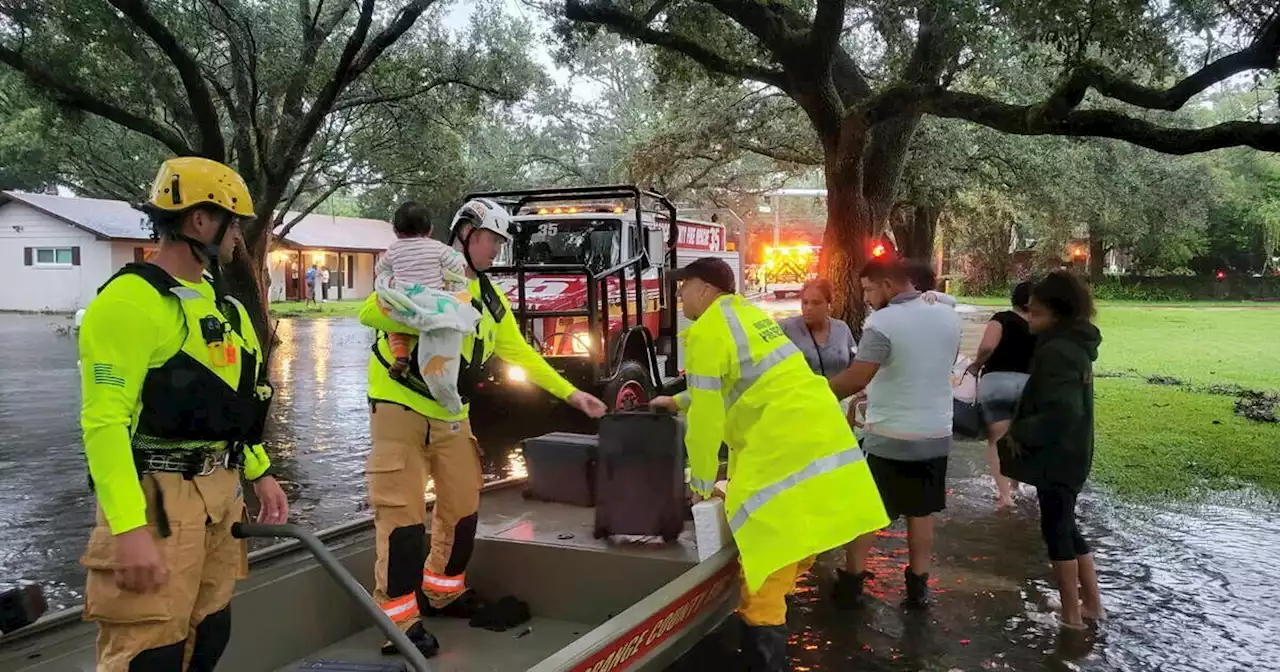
420, 279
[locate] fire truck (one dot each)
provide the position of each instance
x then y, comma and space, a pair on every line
787, 268
587, 275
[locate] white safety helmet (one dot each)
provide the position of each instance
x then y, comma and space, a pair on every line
483, 213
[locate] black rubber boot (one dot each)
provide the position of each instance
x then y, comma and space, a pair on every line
426, 643
917, 590
764, 648
466, 606
848, 589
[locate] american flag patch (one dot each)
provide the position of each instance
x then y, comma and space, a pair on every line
105, 374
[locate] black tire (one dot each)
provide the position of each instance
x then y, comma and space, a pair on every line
632, 379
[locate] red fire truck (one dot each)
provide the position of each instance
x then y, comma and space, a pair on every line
587, 277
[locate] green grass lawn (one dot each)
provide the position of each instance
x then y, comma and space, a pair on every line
327, 309
1179, 440
1201, 346
1164, 441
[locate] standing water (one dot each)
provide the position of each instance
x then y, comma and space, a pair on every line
1188, 589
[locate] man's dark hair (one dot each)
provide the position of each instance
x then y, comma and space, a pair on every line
411, 219
880, 268
1065, 295
1021, 296
921, 274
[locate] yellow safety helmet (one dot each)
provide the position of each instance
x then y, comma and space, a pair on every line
188, 181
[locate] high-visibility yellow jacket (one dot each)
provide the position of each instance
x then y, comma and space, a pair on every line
798, 482
149, 380
498, 335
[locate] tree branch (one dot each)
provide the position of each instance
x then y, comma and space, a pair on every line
828, 22
607, 15
203, 108
1262, 54
426, 88
1025, 120
786, 155
75, 97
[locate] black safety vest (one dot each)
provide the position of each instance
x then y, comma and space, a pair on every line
184, 399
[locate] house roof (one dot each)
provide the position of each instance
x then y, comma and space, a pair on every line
118, 220
110, 220
329, 232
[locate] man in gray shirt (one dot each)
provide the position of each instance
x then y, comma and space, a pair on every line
904, 362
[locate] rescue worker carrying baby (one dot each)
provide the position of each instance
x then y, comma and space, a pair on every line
415, 437
174, 402
798, 483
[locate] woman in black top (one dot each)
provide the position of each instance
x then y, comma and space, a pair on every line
1050, 442
1004, 357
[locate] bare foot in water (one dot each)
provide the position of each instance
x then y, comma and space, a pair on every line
1004, 503
1092, 613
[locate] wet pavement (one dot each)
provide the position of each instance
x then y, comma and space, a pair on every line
1187, 588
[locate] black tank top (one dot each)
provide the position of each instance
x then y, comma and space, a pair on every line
1013, 353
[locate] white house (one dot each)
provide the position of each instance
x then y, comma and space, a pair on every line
347, 246
56, 251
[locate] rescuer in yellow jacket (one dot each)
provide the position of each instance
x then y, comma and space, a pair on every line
174, 403
798, 483
415, 437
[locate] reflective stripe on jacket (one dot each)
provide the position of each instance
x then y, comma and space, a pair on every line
798, 482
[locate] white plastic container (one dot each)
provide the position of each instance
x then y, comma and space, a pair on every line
710, 527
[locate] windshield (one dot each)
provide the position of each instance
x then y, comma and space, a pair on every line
594, 242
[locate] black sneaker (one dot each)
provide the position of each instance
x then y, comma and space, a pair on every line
424, 641
848, 589
917, 590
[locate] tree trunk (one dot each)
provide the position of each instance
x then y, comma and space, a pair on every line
915, 233
844, 243
1097, 256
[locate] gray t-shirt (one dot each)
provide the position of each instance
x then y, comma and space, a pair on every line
828, 359
909, 401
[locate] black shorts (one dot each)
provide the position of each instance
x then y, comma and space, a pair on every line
912, 489
1058, 523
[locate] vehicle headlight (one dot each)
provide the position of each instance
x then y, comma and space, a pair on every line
517, 374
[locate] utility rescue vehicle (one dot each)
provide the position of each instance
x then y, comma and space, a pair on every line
787, 268
587, 274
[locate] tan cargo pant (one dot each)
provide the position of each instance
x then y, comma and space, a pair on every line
203, 559
407, 448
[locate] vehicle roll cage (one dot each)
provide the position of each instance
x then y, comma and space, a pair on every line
598, 293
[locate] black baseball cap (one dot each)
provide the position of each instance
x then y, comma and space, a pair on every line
713, 271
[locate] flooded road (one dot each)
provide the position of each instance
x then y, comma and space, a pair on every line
1187, 588
318, 435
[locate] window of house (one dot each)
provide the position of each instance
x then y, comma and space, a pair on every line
53, 256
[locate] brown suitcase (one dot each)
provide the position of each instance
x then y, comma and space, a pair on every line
640, 486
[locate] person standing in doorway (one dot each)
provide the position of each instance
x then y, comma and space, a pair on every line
904, 362
309, 294
1050, 441
1003, 360
324, 284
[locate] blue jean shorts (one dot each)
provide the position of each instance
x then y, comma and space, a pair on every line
998, 394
